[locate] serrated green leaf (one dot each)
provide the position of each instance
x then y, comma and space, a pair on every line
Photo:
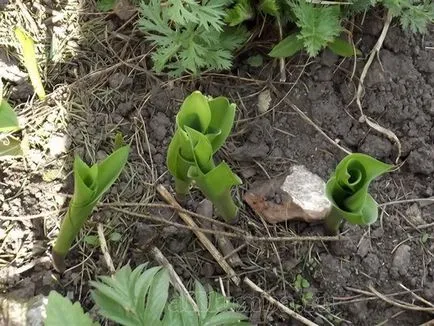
201, 299
343, 48
270, 7
241, 12
188, 315
289, 46
156, 299
225, 318
319, 25
61, 311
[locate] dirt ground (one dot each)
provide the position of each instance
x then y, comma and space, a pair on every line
102, 83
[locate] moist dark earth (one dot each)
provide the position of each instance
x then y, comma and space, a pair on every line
399, 91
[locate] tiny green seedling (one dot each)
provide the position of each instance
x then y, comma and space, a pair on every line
90, 184
347, 189
202, 126
301, 286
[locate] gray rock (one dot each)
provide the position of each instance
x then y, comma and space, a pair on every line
401, 260
300, 195
30, 312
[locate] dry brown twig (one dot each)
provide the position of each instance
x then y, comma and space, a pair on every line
360, 89
247, 238
222, 262
174, 277
400, 304
273, 301
104, 249
201, 236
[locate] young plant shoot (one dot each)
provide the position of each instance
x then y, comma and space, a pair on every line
90, 184
9, 145
347, 189
202, 126
29, 60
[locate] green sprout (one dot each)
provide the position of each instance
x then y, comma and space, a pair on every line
90, 184
30, 62
9, 145
202, 126
347, 189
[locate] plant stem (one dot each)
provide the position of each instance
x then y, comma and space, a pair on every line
71, 225
333, 221
181, 189
225, 206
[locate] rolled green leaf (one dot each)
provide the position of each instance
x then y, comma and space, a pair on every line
213, 118
347, 189
202, 127
90, 184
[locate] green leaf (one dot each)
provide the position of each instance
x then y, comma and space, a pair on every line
347, 188
270, 7
201, 299
225, 318
203, 126
90, 184
255, 61
118, 141
194, 113
61, 311
188, 315
319, 25
241, 12
8, 118
343, 48
92, 240
105, 5
305, 283
157, 298
30, 62
115, 236
222, 120
289, 46
10, 147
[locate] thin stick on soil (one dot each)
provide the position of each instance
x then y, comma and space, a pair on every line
400, 304
363, 118
201, 236
245, 237
104, 249
282, 307
174, 278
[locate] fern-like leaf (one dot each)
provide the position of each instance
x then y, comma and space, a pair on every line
270, 7
319, 25
241, 12
121, 297
61, 311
